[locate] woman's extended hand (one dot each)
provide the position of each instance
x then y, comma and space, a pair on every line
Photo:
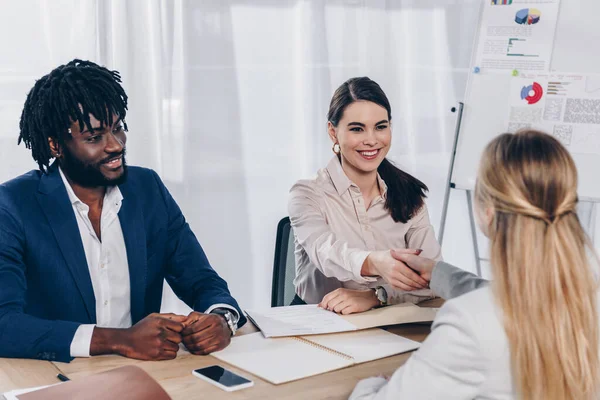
348, 301
394, 271
423, 266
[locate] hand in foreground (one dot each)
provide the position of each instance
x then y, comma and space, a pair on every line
205, 333
348, 301
155, 337
423, 266
393, 271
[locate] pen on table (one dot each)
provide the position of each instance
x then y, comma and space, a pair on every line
62, 377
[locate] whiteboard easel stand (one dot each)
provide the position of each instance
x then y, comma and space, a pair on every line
449, 186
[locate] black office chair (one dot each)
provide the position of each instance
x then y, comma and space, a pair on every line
284, 266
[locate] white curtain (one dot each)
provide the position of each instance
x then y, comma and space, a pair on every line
228, 100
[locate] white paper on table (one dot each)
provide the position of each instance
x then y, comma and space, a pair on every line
287, 359
367, 345
13, 394
298, 320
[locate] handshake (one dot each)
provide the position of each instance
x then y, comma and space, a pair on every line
403, 269
157, 336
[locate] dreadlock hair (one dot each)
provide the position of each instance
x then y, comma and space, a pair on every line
69, 93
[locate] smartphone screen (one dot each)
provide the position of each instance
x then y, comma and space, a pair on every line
222, 376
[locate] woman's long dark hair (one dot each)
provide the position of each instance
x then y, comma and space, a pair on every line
405, 194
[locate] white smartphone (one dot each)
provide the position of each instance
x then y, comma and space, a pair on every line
223, 378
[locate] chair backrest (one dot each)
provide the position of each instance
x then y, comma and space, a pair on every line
284, 266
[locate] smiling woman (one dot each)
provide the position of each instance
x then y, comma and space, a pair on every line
358, 208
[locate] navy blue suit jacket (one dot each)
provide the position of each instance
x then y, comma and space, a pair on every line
45, 286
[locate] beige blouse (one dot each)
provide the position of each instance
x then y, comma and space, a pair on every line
334, 234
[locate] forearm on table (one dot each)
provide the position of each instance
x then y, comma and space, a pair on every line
108, 341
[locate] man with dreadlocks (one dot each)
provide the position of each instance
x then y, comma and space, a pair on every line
86, 241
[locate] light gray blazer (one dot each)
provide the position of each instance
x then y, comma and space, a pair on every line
466, 356
448, 281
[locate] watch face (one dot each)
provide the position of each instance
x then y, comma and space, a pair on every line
381, 295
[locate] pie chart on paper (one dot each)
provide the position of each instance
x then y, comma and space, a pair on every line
532, 93
528, 16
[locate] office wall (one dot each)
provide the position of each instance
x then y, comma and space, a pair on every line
228, 100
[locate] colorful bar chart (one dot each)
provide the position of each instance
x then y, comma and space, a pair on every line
501, 2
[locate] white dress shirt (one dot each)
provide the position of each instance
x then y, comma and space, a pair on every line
107, 264
109, 268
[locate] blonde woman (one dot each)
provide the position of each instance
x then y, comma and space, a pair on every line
533, 332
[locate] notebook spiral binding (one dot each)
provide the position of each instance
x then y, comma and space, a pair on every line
327, 349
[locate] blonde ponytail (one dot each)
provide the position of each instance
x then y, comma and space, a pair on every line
543, 280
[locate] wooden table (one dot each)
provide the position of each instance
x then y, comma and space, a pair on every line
175, 376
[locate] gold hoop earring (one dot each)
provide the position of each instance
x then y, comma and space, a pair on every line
336, 150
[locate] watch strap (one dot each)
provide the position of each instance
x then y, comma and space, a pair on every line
229, 318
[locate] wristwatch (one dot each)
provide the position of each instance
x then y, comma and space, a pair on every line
230, 318
381, 295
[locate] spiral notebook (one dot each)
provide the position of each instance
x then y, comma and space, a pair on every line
286, 359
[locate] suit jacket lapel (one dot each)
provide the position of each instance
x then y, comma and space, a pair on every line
52, 196
132, 224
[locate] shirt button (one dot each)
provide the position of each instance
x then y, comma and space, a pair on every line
102, 266
105, 302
